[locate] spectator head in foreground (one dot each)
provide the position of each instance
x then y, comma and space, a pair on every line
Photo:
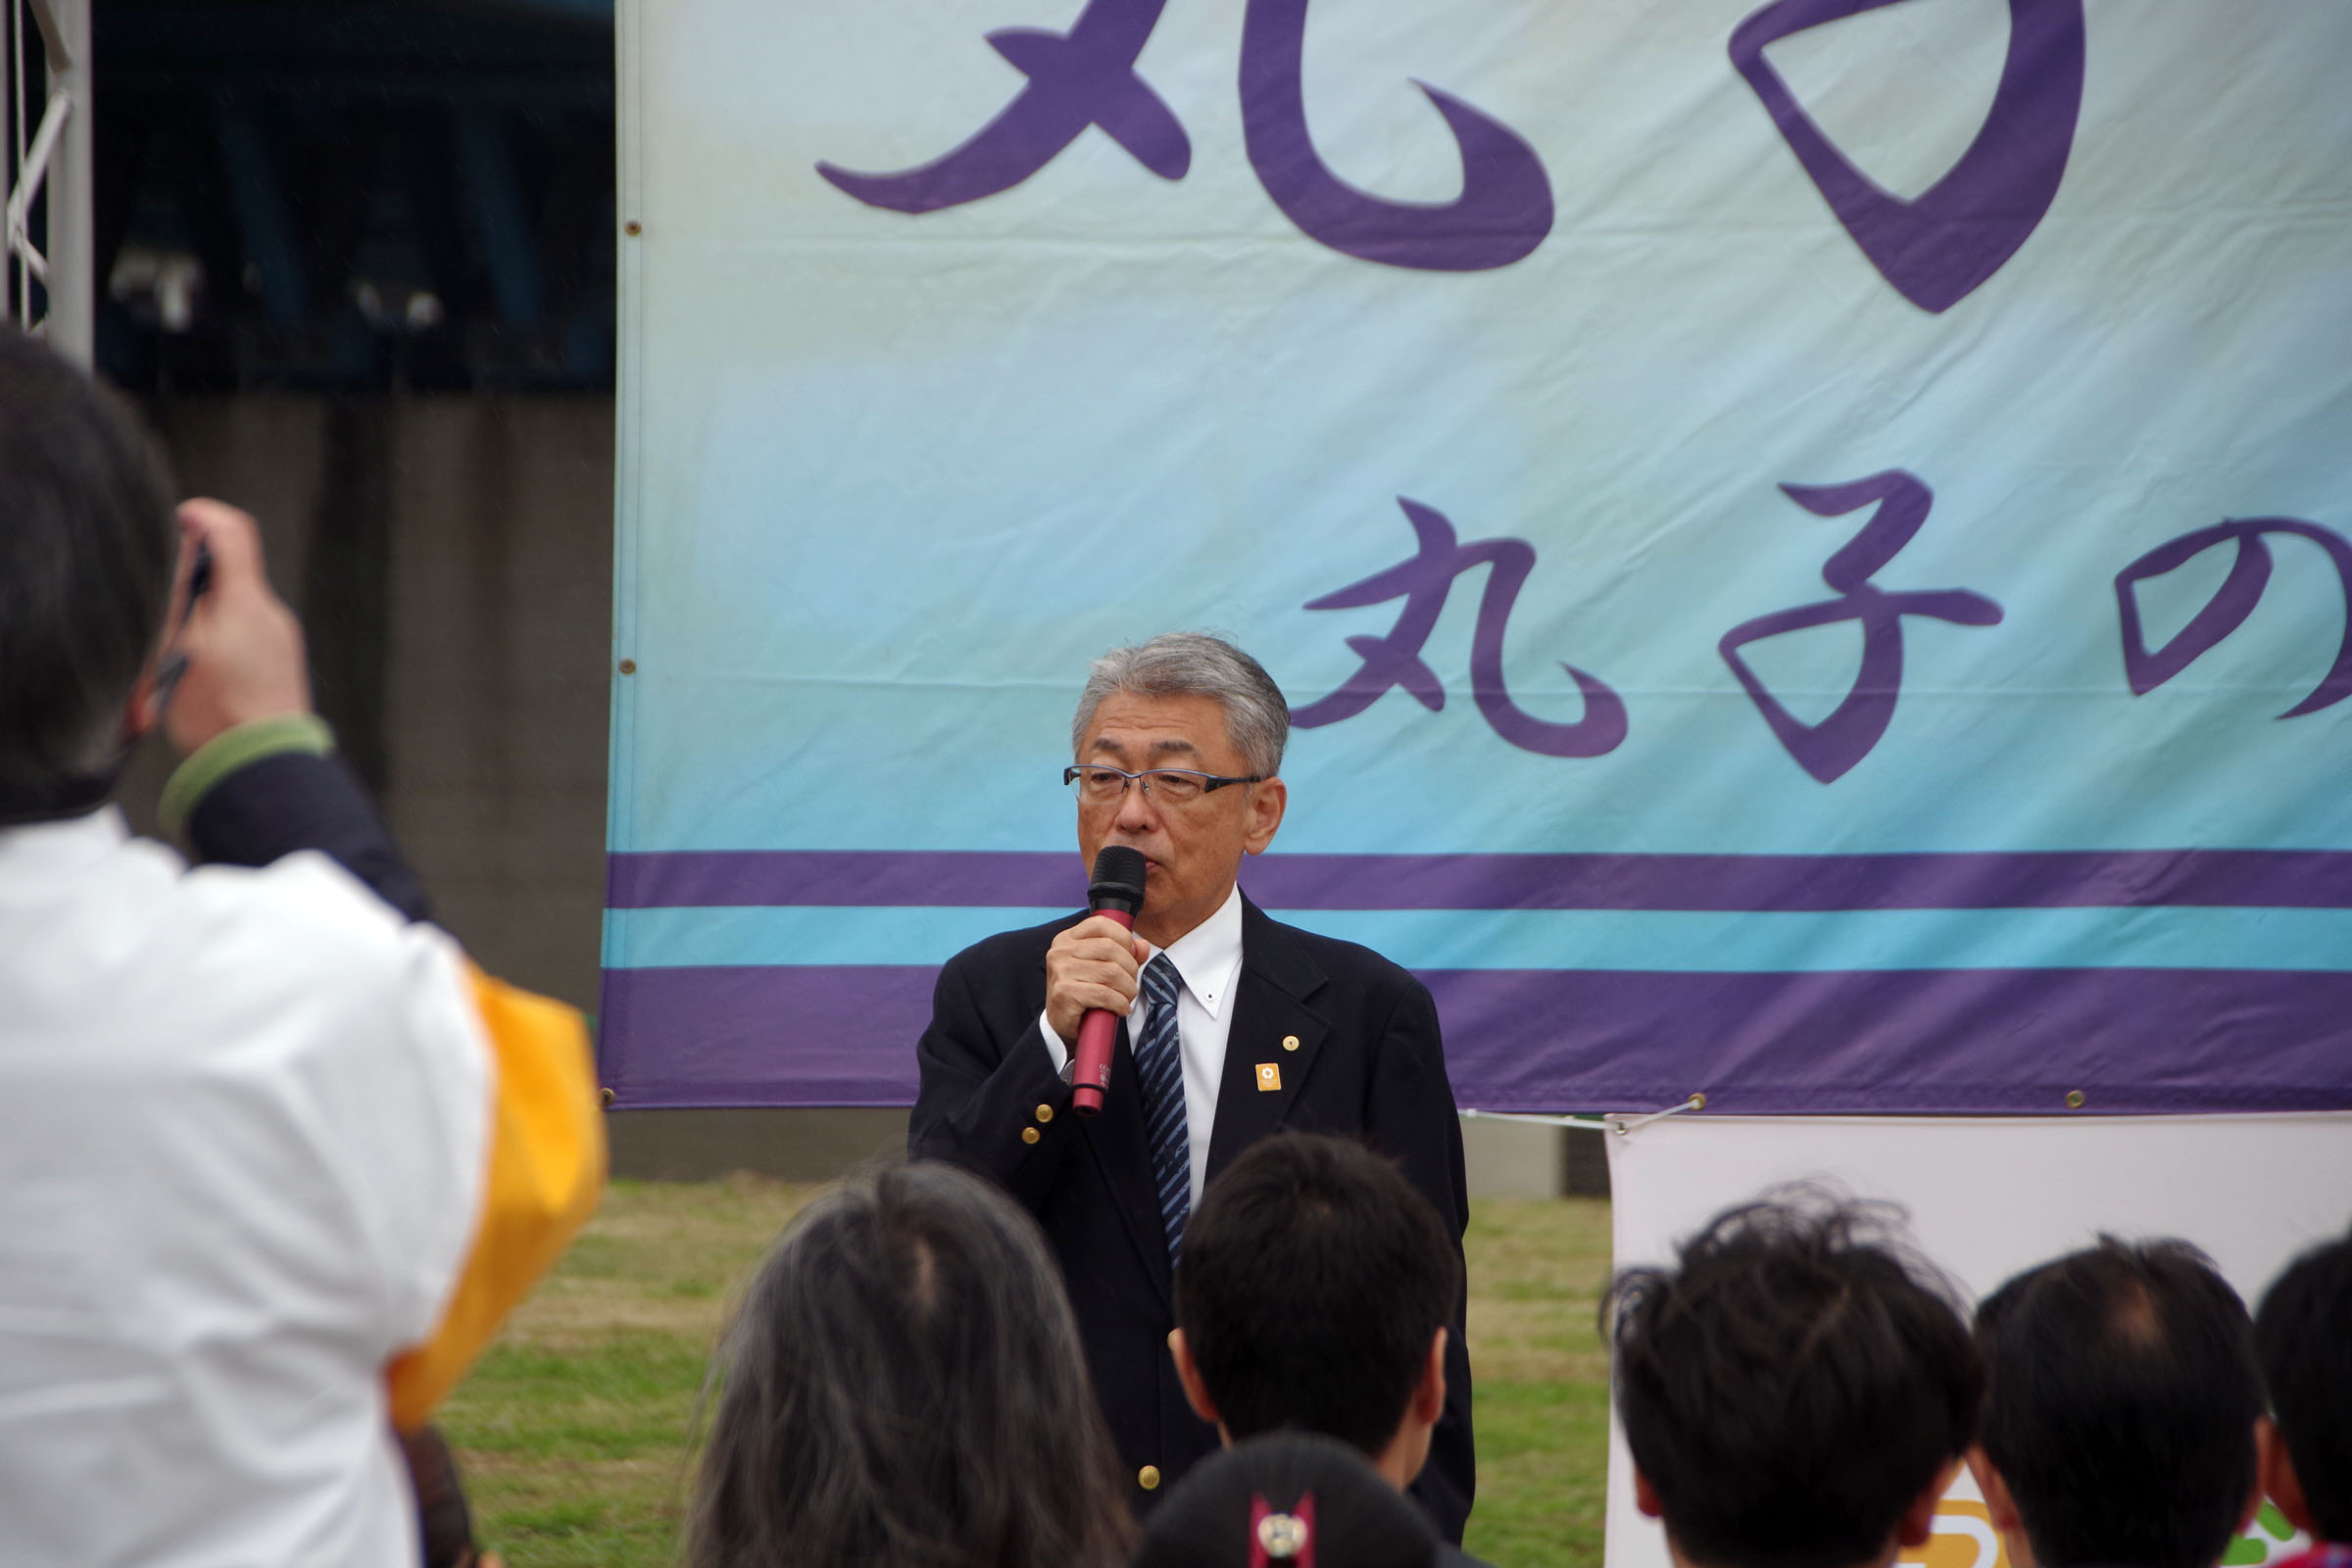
2303, 1336
2120, 1399
902, 1385
1313, 1294
1287, 1500
1797, 1391
87, 548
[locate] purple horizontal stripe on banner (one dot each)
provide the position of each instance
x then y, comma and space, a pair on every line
2283, 879
1985, 1041
786, 1036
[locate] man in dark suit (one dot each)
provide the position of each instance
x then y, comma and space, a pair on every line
1236, 1026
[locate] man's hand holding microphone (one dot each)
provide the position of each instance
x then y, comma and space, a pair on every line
1091, 974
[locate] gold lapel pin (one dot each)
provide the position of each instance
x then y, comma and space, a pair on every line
1269, 1077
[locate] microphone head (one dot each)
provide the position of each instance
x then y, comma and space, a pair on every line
1118, 879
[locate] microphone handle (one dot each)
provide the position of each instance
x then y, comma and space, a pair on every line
1098, 1032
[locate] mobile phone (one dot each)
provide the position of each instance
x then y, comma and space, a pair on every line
175, 663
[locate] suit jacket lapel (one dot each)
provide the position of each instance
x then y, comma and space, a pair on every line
1270, 1008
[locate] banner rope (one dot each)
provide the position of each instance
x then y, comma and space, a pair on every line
1591, 1123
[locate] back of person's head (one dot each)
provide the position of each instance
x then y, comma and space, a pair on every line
1795, 1385
1313, 1278
2303, 1333
1287, 1498
902, 1385
86, 550
2120, 1398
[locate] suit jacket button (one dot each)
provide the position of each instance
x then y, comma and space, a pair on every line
1045, 1113
1030, 1135
1148, 1478
1290, 1042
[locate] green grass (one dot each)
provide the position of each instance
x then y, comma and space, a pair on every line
1540, 1380
574, 1429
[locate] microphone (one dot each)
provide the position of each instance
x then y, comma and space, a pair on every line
1117, 891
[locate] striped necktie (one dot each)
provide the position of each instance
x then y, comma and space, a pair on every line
1160, 1063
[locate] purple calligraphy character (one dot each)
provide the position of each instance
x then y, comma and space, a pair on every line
2231, 604
1961, 230
1423, 582
1829, 749
1083, 77
1503, 213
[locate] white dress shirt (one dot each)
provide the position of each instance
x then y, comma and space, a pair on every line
243, 1131
1208, 959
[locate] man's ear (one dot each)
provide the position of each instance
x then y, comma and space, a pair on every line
2275, 1474
143, 712
1918, 1521
1196, 1391
1645, 1497
1429, 1395
1266, 803
2001, 1507
1997, 1501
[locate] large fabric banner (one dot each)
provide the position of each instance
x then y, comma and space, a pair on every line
1808, 542
1988, 1199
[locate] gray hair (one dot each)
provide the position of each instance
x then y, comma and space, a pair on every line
902, 1387
1190, 663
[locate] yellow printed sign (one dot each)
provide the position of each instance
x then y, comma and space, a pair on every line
1963, 1537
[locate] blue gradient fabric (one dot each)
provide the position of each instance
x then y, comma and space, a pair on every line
1808, 543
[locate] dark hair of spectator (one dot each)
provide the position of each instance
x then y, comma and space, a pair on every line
2121, 1393
1793, 1383
2303, 1333
87, 545
1312, 1281
1358, 1520
902, 1385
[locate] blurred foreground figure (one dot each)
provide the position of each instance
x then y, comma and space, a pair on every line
1314, 1294
1287, 1500
1797, 1390
2303, 1333
902, 1387
2120, 1399
274, 1159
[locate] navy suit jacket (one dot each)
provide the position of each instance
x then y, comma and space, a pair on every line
1355, 1041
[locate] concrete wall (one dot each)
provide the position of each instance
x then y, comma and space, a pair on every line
452, 559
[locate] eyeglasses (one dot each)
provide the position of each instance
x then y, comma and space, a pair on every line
1169, 786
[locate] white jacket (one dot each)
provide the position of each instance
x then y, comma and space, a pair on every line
242, 1132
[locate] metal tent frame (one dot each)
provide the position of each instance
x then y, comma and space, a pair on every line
58, 160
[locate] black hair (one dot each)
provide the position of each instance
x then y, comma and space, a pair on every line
1793, 1383
87, 546
1312, 1281
1358, 1520
2120, 1398
2303, 1335
902, 1387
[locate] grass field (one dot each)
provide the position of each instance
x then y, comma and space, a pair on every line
574, 1430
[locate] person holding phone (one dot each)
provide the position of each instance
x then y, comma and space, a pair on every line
274, 1158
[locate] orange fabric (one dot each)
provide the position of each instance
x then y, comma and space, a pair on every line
546, 1173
